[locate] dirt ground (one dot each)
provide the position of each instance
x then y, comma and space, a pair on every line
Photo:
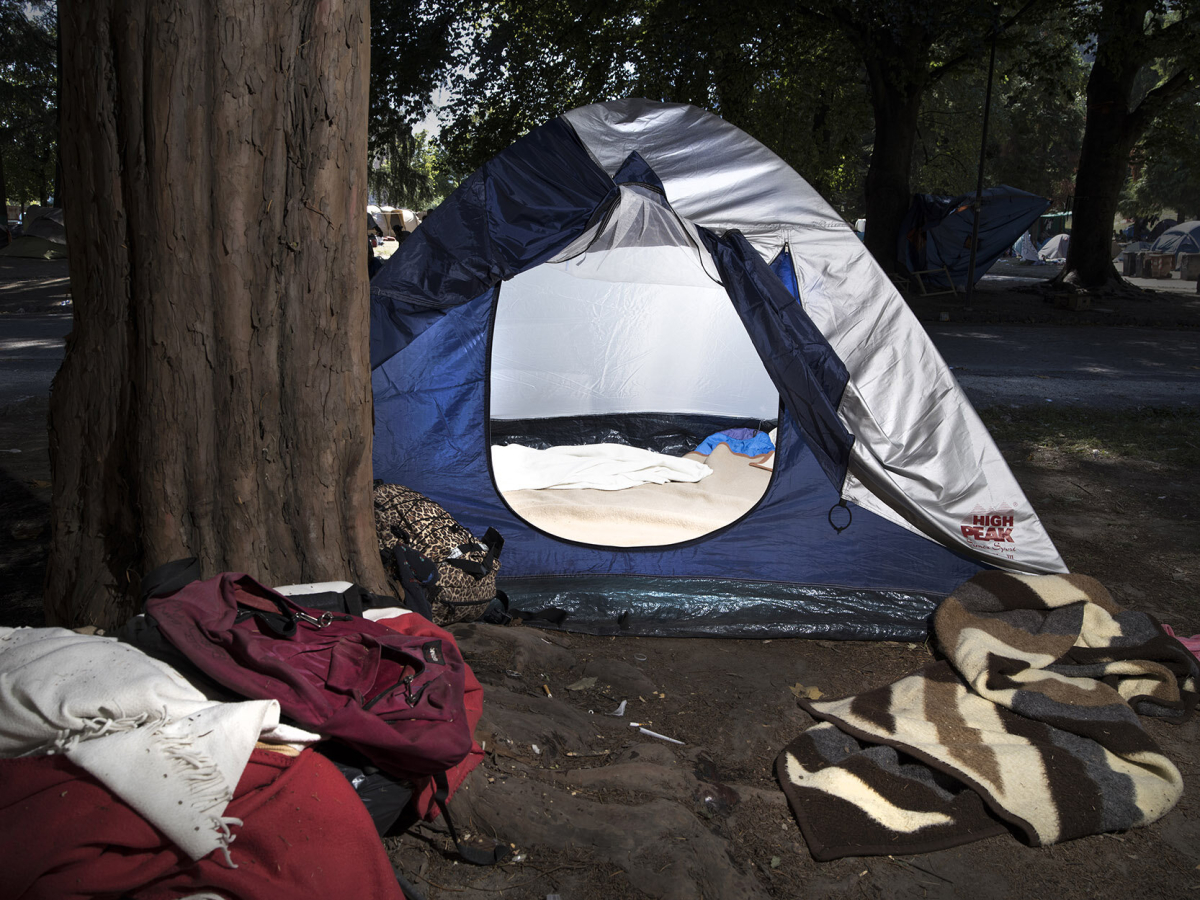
596, 809
600, 811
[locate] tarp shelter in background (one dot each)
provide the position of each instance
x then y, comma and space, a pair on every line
1055, 248
936, 232
635, 268
43, 235
1181, 238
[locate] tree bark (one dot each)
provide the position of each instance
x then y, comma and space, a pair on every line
215, 398
896, 103
1107, 142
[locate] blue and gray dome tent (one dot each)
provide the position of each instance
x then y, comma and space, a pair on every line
1181, 238
644, 273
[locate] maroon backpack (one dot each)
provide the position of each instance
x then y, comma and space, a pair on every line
397, 699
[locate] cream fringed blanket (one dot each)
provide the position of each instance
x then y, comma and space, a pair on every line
135, 724
648, 514
1031, 725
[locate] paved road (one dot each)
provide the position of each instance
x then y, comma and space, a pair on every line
1100, 367
1014, 364
31, 348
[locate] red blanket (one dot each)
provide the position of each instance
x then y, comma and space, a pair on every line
306, 835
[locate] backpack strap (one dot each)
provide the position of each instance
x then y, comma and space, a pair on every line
280, 621
492, 542
470, 854
495, 543
170, 577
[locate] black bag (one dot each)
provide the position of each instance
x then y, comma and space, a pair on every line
428, 553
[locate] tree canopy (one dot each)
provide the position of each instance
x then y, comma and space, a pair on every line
869, 100
865, 99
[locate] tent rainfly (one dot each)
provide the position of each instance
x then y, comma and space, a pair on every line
646, 274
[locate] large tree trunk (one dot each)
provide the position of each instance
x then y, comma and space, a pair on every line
888, 194
215, 399
1108, 138
897, 66
1124, 48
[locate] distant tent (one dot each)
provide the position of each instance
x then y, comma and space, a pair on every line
1183, 238
1055, 248
43, 235
1025, 249
391, 219
936, 232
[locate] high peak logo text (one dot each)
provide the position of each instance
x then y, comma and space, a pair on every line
991, 531
989, 527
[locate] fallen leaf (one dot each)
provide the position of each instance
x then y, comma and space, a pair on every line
775, 861
582, 684
812, 693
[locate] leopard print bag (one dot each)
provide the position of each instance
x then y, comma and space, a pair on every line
464, 584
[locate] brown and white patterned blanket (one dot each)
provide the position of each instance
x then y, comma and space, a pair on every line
1030, 725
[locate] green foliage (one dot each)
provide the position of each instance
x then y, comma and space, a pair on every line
1035, 127
413, 44
1167, 164
28, 104
797, 90
794, 75
407, 172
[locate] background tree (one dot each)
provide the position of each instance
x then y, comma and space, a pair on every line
1166, 164
414, 43
1146, 57
213, 400
1036, 121
409, 172
529, 60
906, 49
28, 102
832, 89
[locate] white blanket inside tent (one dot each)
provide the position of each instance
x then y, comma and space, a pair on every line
605, 467
650, 514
